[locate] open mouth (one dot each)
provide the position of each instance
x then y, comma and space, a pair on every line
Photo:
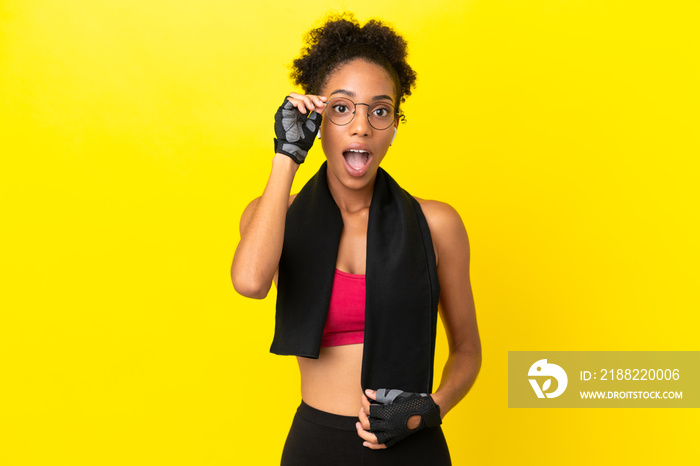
357, 159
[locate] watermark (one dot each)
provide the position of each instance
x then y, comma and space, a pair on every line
604, 379
542, 368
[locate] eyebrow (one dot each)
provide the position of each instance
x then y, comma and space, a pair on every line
353, 95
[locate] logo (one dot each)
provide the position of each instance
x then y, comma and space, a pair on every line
542, 369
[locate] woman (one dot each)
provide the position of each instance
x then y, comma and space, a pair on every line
361, 267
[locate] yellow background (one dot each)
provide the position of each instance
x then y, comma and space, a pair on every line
133, 133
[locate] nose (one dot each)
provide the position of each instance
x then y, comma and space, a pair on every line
360, 123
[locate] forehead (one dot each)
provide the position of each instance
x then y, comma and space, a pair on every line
364, 79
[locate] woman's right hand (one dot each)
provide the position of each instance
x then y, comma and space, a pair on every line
304, 102
294, 130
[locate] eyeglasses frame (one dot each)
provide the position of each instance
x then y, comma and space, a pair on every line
354, 113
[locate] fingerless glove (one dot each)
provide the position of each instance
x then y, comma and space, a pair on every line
295, 132
388, 419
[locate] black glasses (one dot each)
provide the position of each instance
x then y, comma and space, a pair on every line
341, 111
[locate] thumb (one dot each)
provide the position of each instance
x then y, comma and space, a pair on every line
371, 394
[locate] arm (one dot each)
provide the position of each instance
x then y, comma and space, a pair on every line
456, 307
457, 311
257, 255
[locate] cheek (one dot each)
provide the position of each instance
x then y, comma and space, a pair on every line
385, 136
331, 132
328, 137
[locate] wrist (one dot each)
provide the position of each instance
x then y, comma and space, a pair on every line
440, 402
284, 161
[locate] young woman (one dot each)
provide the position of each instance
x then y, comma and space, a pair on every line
361, 267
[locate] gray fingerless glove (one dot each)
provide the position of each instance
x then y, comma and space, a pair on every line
388, 418
295, 132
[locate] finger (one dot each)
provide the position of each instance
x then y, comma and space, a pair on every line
299, 101
318, 101
320, 109
365, 404
307, 101
370, 440
372, 394
364, 420
312, 102
298, 104
372, 446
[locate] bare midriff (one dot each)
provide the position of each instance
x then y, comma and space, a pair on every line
331, 383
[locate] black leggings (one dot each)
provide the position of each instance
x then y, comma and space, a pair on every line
325, 439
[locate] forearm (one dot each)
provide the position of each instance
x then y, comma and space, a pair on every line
258, 253
458, 376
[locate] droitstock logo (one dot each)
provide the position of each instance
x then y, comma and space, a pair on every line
542, 369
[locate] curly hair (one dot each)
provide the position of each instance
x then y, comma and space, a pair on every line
341, 39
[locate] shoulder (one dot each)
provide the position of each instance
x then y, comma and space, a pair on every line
440, 215
446, 227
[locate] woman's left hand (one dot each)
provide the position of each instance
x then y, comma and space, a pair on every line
363, 427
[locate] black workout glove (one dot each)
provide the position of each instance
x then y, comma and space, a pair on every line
388, 420
295, 132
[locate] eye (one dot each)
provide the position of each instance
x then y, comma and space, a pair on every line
382, 111
341, 107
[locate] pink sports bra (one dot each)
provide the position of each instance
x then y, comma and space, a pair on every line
345, 324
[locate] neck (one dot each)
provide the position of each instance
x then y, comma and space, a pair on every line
350, 200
